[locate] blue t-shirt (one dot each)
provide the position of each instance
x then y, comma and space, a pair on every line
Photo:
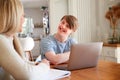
51, 44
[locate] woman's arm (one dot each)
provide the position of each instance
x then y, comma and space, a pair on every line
17, 67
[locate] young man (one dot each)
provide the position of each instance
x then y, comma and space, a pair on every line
56, 48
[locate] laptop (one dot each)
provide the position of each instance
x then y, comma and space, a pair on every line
82, 55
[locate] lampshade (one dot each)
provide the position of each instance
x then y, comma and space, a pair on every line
27, 43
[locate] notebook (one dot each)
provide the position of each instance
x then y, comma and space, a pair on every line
83, 55
55, 74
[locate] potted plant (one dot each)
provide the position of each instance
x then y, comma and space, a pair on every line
113, 15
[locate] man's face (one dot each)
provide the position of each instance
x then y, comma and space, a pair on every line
64, 29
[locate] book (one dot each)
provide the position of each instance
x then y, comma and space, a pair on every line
56, 74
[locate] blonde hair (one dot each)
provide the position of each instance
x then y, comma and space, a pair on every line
18, 47
10, 16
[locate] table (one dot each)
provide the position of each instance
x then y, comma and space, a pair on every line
105, 70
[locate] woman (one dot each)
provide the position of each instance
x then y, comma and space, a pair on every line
12, 60
56, 48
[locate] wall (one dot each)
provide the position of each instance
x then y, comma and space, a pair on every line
84, 10
58, 8
35, 13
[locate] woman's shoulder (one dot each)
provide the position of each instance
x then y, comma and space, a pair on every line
4, 41
2, 38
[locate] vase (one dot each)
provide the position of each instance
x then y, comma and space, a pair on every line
112, 40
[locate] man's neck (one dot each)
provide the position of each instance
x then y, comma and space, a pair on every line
60, 38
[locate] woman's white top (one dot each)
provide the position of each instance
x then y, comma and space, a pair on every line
20, 69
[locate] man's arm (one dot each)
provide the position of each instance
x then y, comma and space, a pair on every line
57, 58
